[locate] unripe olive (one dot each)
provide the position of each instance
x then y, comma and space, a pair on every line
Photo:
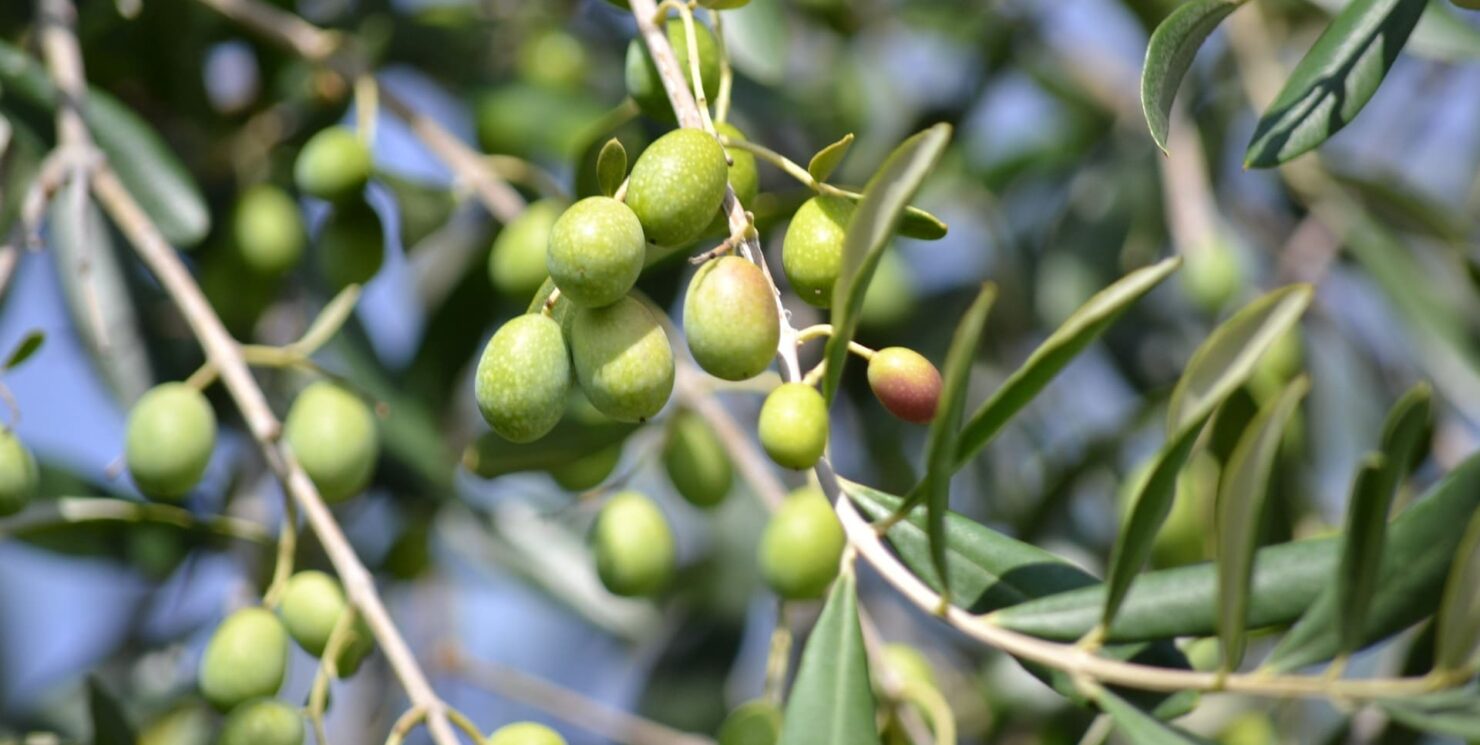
268, 229
1212, 275
525, 733
646, 86
312, 604
265, 721
189, 724
351, 245
633, 545
676, 186
743, 179
517, 262
334, 164
171, 433
245, 658
623, 360
696, 461
527, 119
332, 434
755, 722
812, 251
793, 425
910, 665
905, 383
801, 546
1249, 728
596, 251
523, 378
588, 471
18, 474
730, 319
553, 58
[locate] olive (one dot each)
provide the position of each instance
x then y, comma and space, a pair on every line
677, 185
801, 546
812, 251
333, 436
793, 425
730, 319
623, 360
635, 555
523, 377
171, 433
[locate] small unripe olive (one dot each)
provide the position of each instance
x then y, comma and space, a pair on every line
634, 546
793, 425
334, 164
696, 461
623, 360
529, 119
910, 665
312, 604
268, 229
743, 179
801, 546
596, 251
264, 721
525, 733
171, 433
812, 251
1468, 4
245, 658
905, 383
18, 474
154, 549
188, 724
677, 185
517, 262
332, 434
755, 722
588, 471
523, 378
730, 319
646, 86
553, 58
1249, 728
1212, 275
351, 245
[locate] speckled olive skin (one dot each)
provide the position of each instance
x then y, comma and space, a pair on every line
333, 436
677, 185
268, 229
525, 733
18, 474
744, 178
523, 378
801, 546
812, 251
730, 319
696, 461
634, 546
171, 433
312, 604
245, 658
265, 721
596, 251
793, 425
517, 263
623, 360
646, 87
905, 383
755, 722
351, 246
334, 165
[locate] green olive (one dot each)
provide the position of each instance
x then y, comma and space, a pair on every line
187, 724
18, 474
801, 546
623, 360
910, 665
755, 722
171, 433
264, 721
268, 229
245, 658
1212, 275
334, 164
533, 120
696, 461
351, 245
905, 383
743, 179
333, 436
517, 262
525, 733
730, 319
812, 251
596, 251
635, 555
523, 378
588, 471
793, 425
553, 58
646, 86
312, 604
677, 185
1249, 728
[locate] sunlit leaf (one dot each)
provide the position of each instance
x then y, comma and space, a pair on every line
829, 158
1170, 52
832, 701
1455, 712
611, 166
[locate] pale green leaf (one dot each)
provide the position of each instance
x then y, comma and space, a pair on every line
611, 166
1170, 52
829, 158
832, 701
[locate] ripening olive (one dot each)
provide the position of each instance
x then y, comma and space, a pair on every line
646, 86
633, 545
523, 378
553, 58
801, 546
351, 245
265, 721
623, 360
245, 658
596, 251
312, 604
517, 262
334, 164
18, 474
268, 229
677, 185
812, 251
793, 425
905, 383
696, 461
171, 433
730, 319
588, 471
1212, 275
332, 434
755, 722
525, 733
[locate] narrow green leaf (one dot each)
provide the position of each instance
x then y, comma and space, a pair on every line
1441, 33
29, 344
1454, 712
1458, 636
1168, 55
1138, 726
916, 223
829, 158
110, 725
1240, 500
1334, 80
832, 701
875, 219
329, 320
1405, 429
611, 166
1062, 346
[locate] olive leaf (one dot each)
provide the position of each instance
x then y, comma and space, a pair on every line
1455, 712
1441, 34
915, 223
110, 726
1173, 45
1458, 636
832, 701
829, 158
611, 166
27, 346
1138, 726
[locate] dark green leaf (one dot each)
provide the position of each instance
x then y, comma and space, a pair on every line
110, 726
29, 344
832, 701
1138, 726
1441, 33
611, 166
829, 158
490, 455
1168, 55
1458, 636
1455, 712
